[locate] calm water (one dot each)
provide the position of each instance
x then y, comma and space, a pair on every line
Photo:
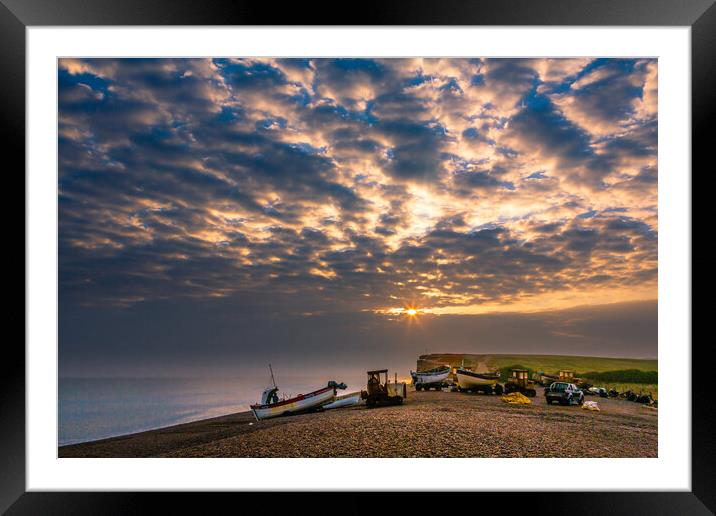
95, 408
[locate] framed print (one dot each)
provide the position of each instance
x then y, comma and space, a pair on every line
423, 251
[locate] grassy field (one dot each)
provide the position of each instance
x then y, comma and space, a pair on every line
547, 363
553, 363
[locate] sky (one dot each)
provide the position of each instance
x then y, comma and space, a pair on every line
218, 214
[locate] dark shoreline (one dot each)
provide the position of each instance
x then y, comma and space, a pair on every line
149, 443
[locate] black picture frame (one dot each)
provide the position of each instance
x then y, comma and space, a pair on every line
17, 15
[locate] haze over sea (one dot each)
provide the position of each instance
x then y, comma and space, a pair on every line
97, 408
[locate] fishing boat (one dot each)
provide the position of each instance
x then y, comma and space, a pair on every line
272, 406
471, 381
430, 378
547, 379
347, 400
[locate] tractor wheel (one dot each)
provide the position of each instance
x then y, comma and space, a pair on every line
488, 389
498, 389
418, 387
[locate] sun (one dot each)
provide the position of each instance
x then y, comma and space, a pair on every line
411, 312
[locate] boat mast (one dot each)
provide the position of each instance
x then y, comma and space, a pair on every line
272, 379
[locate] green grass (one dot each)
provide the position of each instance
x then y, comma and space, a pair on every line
553, 363
623, 376
638, 375
546, 363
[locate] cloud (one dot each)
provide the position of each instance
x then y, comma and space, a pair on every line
324, 185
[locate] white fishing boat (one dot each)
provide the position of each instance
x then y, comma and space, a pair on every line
344, 401
430, 378
470, 380
272, 406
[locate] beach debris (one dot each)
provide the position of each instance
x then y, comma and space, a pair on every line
516, 398
644, 398
596, 391
591, 405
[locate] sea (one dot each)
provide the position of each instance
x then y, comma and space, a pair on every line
97, 408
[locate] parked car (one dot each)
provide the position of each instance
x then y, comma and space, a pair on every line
564, 393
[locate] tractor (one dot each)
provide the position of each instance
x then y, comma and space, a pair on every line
519, 382
381, 392
566, 375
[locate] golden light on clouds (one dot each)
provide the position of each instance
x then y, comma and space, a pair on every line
536, 303
463, 185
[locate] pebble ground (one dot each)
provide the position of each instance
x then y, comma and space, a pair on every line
429, 424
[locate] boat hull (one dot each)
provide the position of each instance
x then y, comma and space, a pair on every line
470, 380
301, 403
430, 378
347, 401
548, 380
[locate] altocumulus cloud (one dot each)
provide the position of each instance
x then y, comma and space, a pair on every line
319, 185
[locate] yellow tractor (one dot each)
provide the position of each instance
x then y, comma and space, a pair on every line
381, 392
565, 375
519, 382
